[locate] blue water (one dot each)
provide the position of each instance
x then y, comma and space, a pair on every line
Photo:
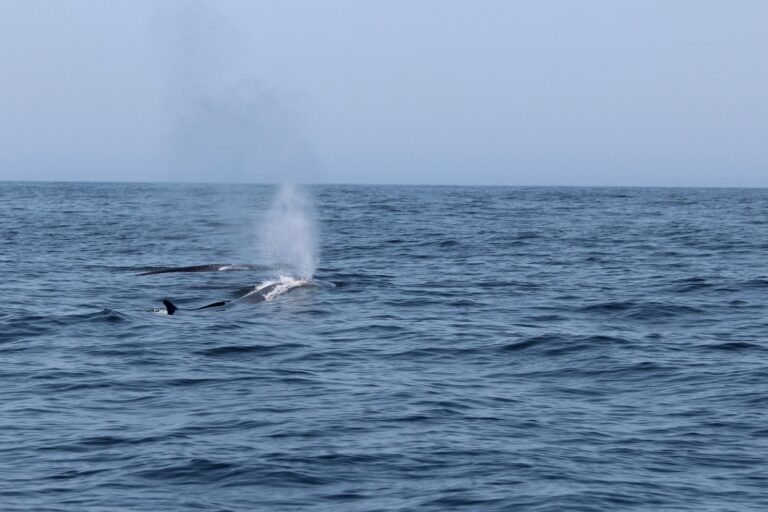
483, 349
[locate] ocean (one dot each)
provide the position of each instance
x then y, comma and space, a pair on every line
456, 348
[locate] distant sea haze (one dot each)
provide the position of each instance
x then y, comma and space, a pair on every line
476, 348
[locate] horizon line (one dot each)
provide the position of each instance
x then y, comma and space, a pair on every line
341, 184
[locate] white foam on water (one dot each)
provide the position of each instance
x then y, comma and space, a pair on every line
233, 267
273, 288
283, 285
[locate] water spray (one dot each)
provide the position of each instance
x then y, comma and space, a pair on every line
289, 234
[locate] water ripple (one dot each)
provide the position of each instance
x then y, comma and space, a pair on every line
483, 349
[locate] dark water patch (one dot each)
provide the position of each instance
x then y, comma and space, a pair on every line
200, 381
110, 441
105, 315
651, 310
559, 344
194, 471
344, 497
545, 318
759, 282
37, 324
734, 346
236, 350
443, 244
280, 478
72, 474
19, 329
457, 354
691, 284
633, 371
220, 427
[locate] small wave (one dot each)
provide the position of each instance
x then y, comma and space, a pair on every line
556, 344
195, 470
36, 325
634, 370
690, 284
21, 328
642, 310
608, 307
446, 353
74, 474
733, 346
283, 478
461, 500
109, 441
105, 315
759, 282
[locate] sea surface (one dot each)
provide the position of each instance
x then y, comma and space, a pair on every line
468, 348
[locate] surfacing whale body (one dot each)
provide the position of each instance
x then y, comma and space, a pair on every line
208, 267
265, 291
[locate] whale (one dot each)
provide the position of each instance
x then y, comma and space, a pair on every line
260, 293
208, 267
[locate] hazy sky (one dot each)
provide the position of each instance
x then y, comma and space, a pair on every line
667, 92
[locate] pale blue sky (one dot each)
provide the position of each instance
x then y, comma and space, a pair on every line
671, 92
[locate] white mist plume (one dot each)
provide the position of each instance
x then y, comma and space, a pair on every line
289, 234
226, 123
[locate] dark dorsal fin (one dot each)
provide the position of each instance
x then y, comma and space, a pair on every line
170, 308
